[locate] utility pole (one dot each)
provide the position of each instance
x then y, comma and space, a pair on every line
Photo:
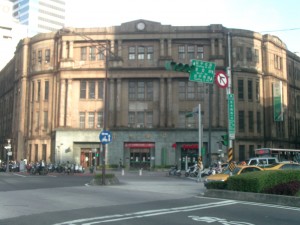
105, 114
230, 105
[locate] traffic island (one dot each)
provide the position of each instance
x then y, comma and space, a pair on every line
109, 179
254, 197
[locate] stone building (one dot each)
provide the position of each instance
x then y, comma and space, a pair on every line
54, 93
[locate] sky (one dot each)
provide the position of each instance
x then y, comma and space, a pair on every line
276, 17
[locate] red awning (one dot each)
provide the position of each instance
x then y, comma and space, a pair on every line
189, 146
139, 145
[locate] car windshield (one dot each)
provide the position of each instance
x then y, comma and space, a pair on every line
234, 172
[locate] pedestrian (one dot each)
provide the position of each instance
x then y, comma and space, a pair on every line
120, 164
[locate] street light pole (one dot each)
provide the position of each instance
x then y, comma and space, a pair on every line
105, 113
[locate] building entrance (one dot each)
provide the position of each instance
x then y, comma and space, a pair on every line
88, 157
140, 158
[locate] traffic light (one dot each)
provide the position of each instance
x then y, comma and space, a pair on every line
179, 67
224, 139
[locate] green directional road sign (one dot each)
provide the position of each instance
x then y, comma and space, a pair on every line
231, 117
204, 71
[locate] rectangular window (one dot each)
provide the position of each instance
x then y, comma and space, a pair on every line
140, 120
131, 119
82, 120
249, 54
141, 90
258, 122
242, 151
150, 52
141, 53
100, 89
131, 55
92, 55
181, 52
32, 91
149, 87
251, 151
91, 89
101, 53
181, 90
33, 59
46, 94
200, 90
149, 119
191, 121
83, 89
91, 119
190, 90
200, 52
100, 120
191, 52
298, 103
38, 90
83, 53
37, 120
256, 55
36, 152
239, 54
44, 152
240, 90
277, 62
45, 120
40, 57
250, 121
250, 90
257, 95
132, 90
47, 56
241, 119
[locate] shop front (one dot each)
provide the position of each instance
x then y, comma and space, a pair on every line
138, 155
88, 157
189, 155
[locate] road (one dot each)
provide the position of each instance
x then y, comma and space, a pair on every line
152, 198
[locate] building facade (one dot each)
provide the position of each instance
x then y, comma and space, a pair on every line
63, 88
40, 16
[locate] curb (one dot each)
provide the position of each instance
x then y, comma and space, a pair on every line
254, 197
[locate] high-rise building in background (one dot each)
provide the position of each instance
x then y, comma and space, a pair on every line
40, 16
11, 31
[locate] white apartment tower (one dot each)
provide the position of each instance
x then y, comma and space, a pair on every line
10, 32
40, 16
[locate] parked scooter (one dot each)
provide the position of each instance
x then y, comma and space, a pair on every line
192, 171
174, 171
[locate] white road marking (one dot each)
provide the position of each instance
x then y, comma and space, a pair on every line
141, 214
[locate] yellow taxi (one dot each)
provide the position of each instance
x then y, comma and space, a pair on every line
283, 166
239, 169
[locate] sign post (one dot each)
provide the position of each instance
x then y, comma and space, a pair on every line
105, 138
230, 105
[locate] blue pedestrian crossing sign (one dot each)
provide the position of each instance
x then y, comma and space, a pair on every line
105, 137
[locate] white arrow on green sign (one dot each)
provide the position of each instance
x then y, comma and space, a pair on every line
202, 71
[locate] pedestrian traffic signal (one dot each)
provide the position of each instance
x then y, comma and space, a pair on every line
179, 67
224, 139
